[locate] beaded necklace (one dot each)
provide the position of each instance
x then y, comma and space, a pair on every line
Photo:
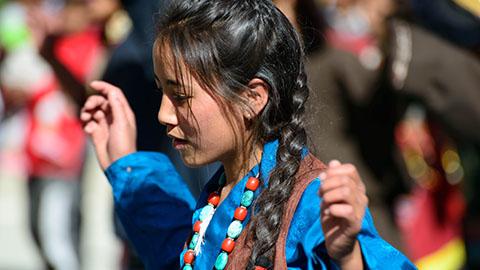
234, 229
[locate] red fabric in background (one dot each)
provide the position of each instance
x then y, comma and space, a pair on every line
79, 51
57, 149
423, 231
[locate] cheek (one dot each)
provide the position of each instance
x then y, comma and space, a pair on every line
187, 123
197, 124
212, 129
220, 137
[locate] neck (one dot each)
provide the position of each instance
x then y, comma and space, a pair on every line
240, 165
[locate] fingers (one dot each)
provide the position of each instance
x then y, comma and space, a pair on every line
100, 117
110, 122
90, 127
334, 182
98, 130
342, 207
345, 211
342, 188
336, 169
334, 163
94, 116
115, 96
97, 127
103, 87
100, 139
343, 193
93, 104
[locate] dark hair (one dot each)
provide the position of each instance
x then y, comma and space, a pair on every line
224, 44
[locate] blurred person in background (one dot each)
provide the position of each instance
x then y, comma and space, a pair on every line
455, 76
13, 170
25, 79
406, 100
48, 85
22, 74
76, 45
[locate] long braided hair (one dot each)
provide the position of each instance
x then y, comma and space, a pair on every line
225, 44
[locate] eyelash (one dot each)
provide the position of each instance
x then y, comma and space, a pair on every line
180, 97
176, 96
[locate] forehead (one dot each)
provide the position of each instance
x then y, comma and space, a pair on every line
163, 61
169, 63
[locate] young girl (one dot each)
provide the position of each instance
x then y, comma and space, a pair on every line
234, 90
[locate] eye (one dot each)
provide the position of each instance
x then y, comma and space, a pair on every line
180, 97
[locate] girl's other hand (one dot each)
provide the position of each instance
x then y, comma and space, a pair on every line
342, 211
110, 122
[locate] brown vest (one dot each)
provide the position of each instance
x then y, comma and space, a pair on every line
310, 168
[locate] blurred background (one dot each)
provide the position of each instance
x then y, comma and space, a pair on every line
395, 87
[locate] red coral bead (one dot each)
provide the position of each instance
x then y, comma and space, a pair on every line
188, 257
228, 244
252, 183
260, 268
214, 198
240, 213
196, 226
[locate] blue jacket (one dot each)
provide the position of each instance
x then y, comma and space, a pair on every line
156, 208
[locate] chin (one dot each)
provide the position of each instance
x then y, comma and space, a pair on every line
195, 162
192, 162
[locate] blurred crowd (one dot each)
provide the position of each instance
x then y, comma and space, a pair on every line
394, 90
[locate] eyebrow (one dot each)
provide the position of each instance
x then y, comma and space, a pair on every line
171, 82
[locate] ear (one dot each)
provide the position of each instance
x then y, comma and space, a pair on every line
256, 96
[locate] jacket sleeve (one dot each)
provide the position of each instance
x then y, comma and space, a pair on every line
376, 252
154, 205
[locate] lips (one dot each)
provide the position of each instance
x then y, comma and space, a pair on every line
179, 143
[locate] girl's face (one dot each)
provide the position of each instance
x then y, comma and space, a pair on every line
197, 123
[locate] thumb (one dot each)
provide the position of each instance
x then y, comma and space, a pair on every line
119, 116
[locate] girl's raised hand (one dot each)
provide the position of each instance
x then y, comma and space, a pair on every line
342, 211
110, 122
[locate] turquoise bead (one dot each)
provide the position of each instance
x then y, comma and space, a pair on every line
187, 267
206, 211
194, 241
247, 198
221, 261
221, 181
235, 229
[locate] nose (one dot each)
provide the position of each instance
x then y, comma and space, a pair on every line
167, 115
